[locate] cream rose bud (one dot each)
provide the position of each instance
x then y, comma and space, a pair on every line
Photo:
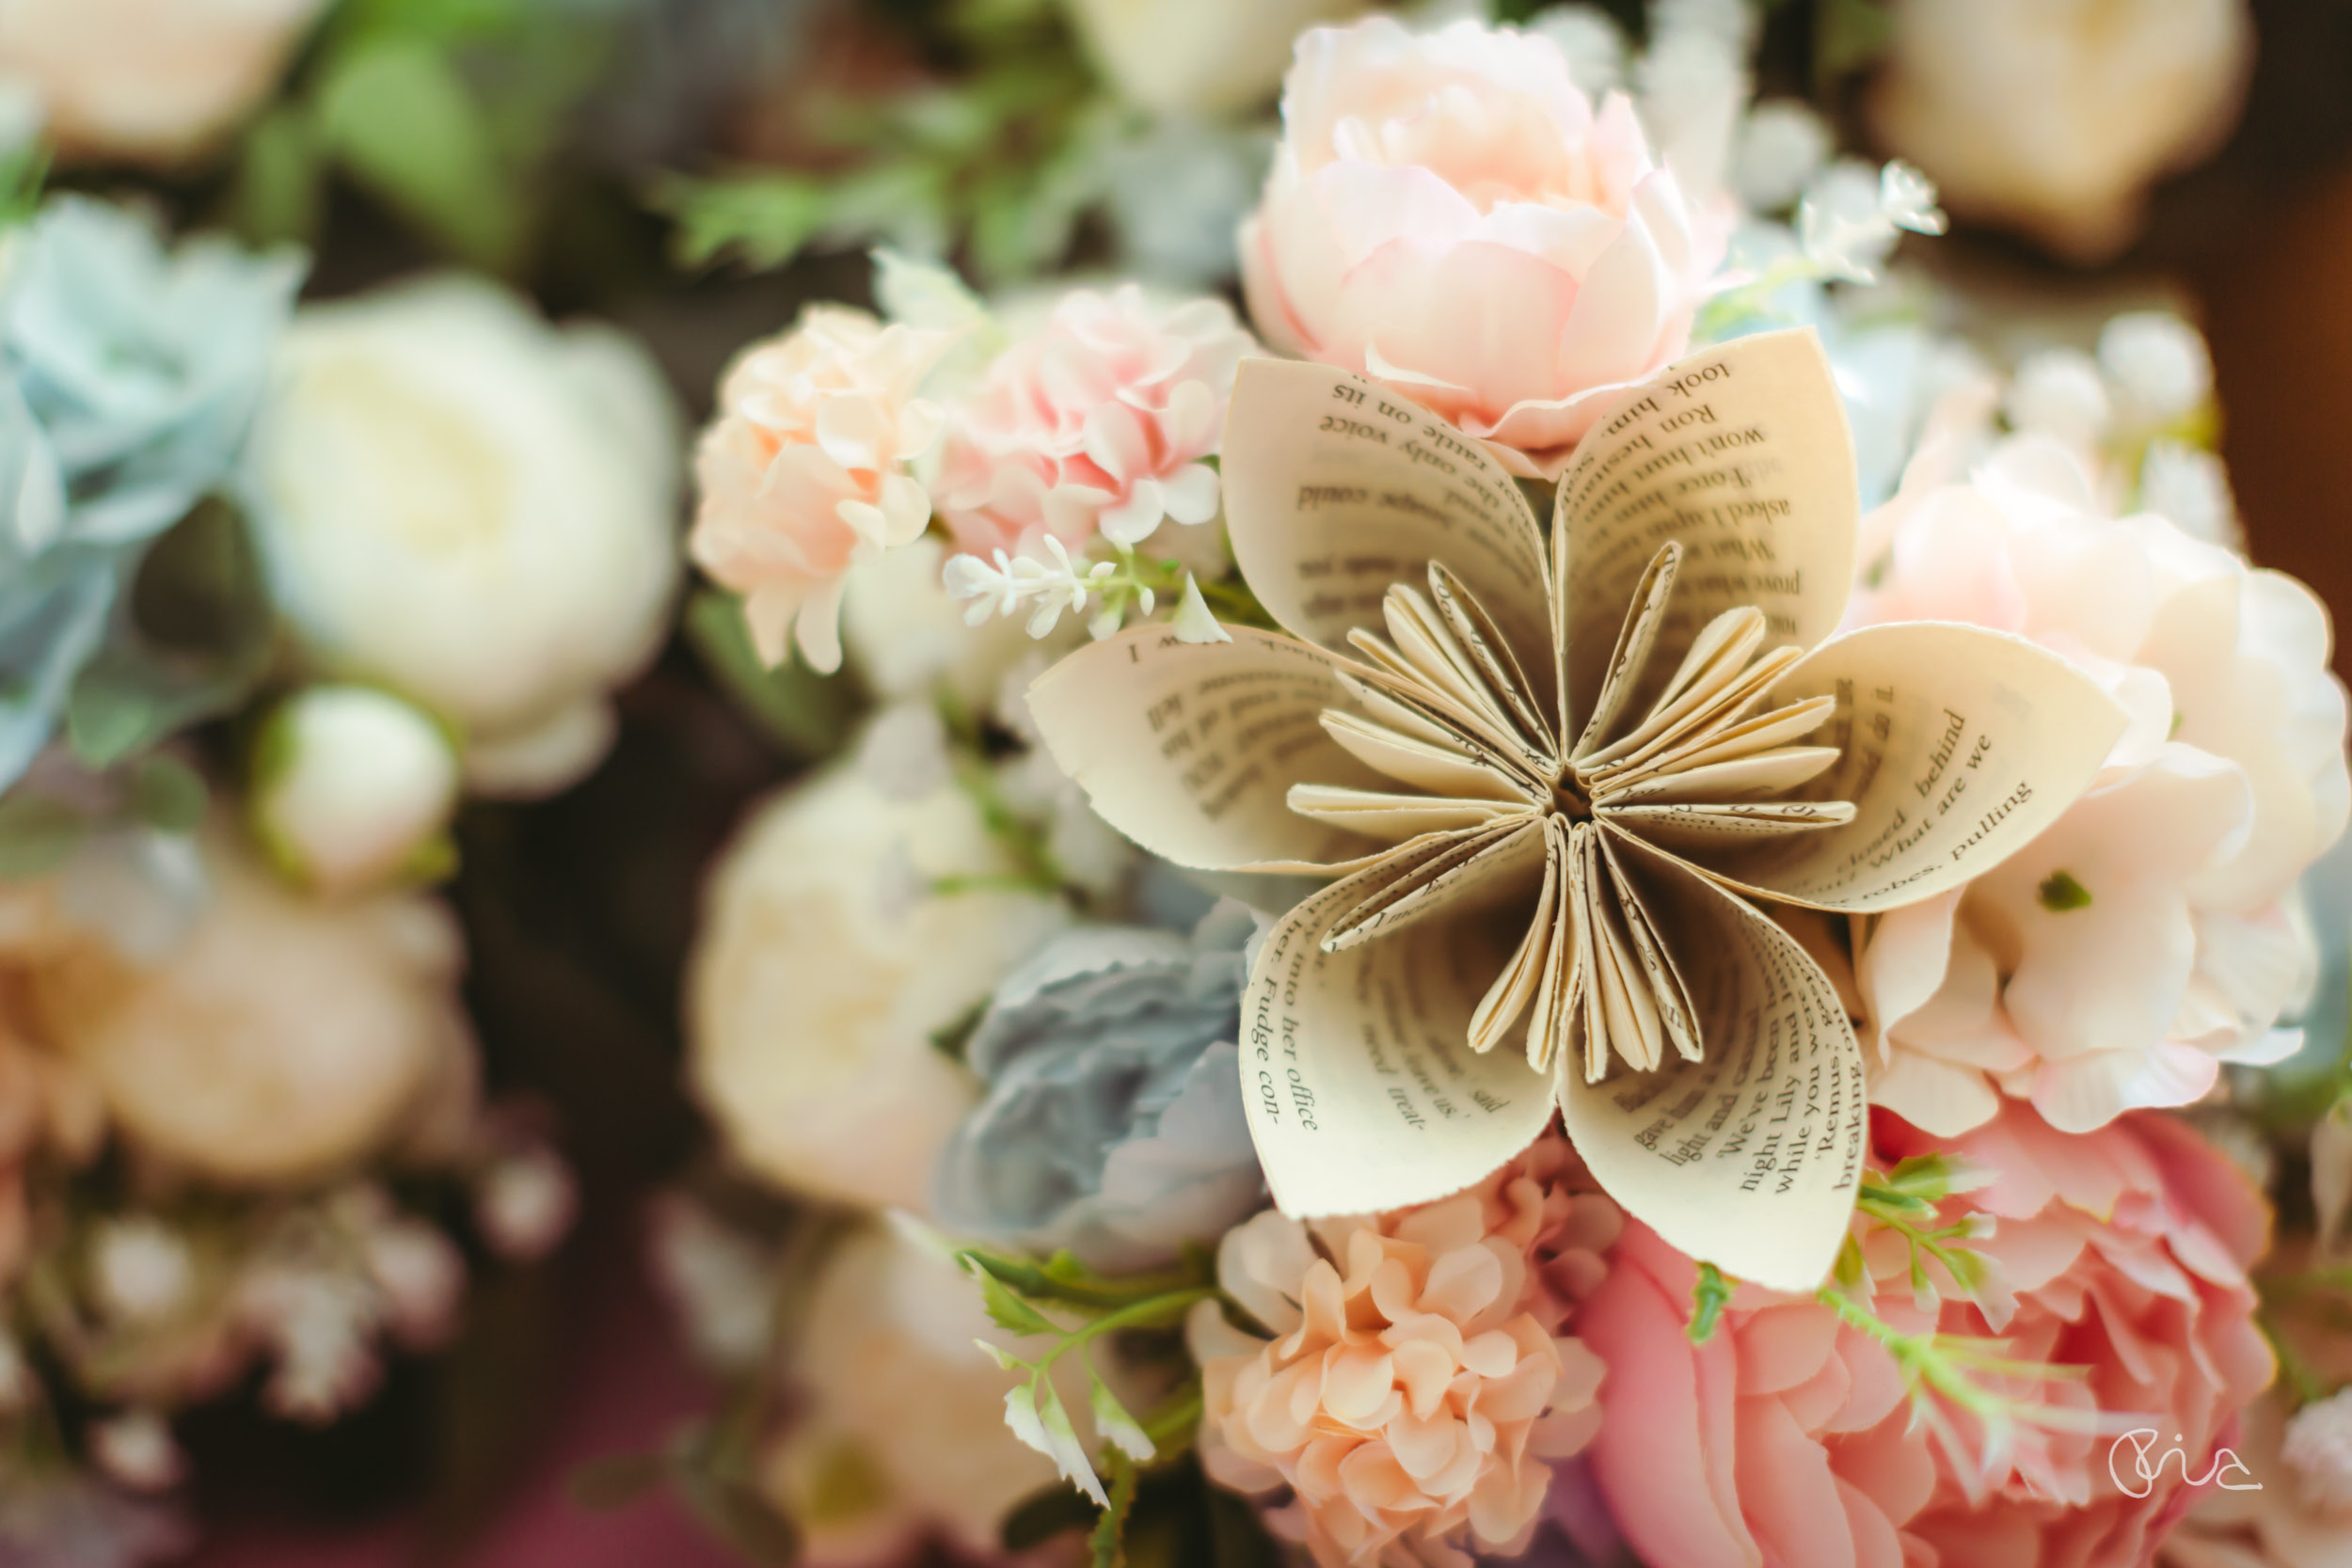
2055, 115
1197, 56
279, 1040
814, 990
353, 789
1449, 214
463, 503
146, 81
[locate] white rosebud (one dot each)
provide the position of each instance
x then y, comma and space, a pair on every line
2189, 487
473, 506
423, 1278
525, 1205
141, 1270
2058, 392
353, 789
2157, 366
2318, 1448
137, 1449
1196, 57
1781, 146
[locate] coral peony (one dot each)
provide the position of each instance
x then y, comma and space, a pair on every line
1098, 424
1417, 1382
804, 471
1786, 1437
2141, 939
1449, 214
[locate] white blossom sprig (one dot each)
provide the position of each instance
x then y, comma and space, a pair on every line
1106, 592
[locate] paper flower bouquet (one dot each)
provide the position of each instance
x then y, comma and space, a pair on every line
1587, 898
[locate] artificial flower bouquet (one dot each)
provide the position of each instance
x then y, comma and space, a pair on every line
1589, 895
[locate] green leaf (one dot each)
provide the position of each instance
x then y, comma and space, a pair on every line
1113, 1424
169, 795
760, 220
1007, 1312
1848, 35
1708, 1296
807, 715
279, 178
2061, 892
1107, 1539
402, 122
1044, 1513
616, 1479
36, 834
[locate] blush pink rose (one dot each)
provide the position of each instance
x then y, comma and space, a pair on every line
1786, 1439
804, 471
1417, 1386
1097, 424
2144, 939
1449, 214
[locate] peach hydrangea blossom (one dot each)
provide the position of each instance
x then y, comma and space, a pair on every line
1097, 424
806, 471
1418, 1385
1787, 1437
2146, 937
1448, 213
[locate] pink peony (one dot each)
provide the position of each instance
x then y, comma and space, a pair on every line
1417, 1384
1788, 1439
1448, 215
803, 472
1096, 424
2142, 939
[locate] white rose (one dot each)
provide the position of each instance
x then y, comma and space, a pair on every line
903, 1433
146, 81
282, 1037
1198, 57
473, 507
813, 994
2053, 116
352, 787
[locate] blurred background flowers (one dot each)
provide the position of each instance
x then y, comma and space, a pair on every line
501, 898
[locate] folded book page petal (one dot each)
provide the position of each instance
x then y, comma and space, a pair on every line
1741, 454
1361, 1087
1335, 489
1750, 1157
1958, 747
1190, 748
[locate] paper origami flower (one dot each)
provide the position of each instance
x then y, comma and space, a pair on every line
1534, 803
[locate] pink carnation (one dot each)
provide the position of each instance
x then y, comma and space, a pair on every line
1098, 424
2143, 940
1417, 1384
1788, 1438
803, 472
1448, 215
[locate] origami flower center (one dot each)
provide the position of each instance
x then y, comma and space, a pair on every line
1571, 798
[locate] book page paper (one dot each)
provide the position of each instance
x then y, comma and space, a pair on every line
1740, 454
1336, 488
1749, 1158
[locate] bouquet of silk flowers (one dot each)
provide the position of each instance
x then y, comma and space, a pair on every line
1585, 891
